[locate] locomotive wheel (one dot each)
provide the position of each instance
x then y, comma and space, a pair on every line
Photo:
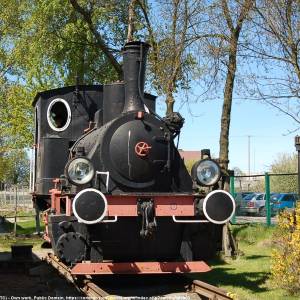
71, 247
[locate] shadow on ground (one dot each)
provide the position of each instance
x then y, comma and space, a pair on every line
222, 276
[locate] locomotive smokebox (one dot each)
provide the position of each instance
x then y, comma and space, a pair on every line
134, 66
218, 207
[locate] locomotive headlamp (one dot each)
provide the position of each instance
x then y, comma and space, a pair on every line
80, 170
206, 172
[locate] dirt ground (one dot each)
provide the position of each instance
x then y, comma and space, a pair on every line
31, 279
16, 284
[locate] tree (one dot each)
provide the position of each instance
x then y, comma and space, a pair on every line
284, 164
168, 31
14, 168
276, 50
16, 117
131, 20
87, 13
45, 44
209, 30
3, 168
169, 28
219, 41
235, 30
238, 172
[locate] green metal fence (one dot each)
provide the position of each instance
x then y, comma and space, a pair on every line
267, 190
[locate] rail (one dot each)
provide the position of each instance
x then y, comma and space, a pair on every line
85, 285
90, 289
209, 291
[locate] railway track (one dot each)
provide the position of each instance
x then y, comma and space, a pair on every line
82, 283
208, 291
86, 285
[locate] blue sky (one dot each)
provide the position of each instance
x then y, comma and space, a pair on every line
267, 127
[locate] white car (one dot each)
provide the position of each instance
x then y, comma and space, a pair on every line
255, 205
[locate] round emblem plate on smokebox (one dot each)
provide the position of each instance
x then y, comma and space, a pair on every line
90, 206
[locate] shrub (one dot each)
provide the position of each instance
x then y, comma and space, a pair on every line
285, 268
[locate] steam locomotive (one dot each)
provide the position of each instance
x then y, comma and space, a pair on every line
116, 195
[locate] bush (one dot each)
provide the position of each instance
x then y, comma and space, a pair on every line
285, 268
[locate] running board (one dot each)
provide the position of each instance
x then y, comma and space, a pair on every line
106, 268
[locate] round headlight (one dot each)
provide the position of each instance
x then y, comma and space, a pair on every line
206, 172
80, 170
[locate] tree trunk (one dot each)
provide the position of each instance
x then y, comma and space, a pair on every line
79, 72
226, 110
170, 103
131, 21
81, 67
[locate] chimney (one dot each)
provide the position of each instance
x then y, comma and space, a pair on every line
134, 66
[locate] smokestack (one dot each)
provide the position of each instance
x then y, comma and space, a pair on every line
134, 66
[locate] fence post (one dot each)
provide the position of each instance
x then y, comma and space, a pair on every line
16, 211
233, 219
297, 145
5, 194
11, 190
5, 201
267, 191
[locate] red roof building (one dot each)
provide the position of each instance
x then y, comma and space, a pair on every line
190, 155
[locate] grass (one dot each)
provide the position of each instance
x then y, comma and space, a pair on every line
248, 275
25, 235
9, 212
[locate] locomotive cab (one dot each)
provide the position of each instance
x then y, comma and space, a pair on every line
61, 115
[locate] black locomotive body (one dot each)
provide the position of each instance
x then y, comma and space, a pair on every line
122, 193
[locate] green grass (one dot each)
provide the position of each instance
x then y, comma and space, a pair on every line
23, 228
9, 212
248, 275
25, 232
